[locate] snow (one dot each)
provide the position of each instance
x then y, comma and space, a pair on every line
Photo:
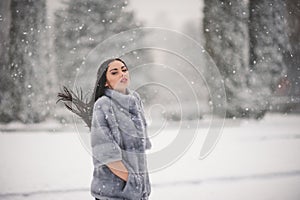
252, 160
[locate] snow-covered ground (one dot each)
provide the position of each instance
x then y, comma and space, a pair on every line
252, 160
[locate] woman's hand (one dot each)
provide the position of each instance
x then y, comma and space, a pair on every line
119, 169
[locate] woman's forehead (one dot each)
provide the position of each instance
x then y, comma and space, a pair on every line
116, 64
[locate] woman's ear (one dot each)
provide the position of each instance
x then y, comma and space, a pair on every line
107, 85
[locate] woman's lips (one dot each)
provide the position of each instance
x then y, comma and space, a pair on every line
123, 80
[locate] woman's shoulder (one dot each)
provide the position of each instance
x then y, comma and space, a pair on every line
136, 94
102, 102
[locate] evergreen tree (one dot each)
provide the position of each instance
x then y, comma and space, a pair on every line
28, 65
269, 45
293, 17
81, 25
6, 112
226, 34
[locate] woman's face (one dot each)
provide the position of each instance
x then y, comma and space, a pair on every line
117, 76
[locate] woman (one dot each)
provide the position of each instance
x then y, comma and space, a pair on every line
118, 134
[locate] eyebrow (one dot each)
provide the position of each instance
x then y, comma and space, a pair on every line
117, 68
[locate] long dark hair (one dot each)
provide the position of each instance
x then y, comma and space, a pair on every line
84, 109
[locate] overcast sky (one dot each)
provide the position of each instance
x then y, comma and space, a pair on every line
163, 13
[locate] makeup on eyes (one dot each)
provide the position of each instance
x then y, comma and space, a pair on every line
115, 70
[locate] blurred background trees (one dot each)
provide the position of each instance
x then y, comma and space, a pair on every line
269, 46
225, 29
26, 77
255, 45
250, 43
80, 26
32, 68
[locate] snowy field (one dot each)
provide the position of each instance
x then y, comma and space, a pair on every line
255, 160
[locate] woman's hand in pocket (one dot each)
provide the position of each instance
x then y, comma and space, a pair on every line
119, 169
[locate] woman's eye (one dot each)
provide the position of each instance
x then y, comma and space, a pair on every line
113, 73
125, 70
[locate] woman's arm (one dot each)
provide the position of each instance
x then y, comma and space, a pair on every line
119, 169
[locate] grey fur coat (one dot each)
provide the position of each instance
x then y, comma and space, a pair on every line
119, 132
